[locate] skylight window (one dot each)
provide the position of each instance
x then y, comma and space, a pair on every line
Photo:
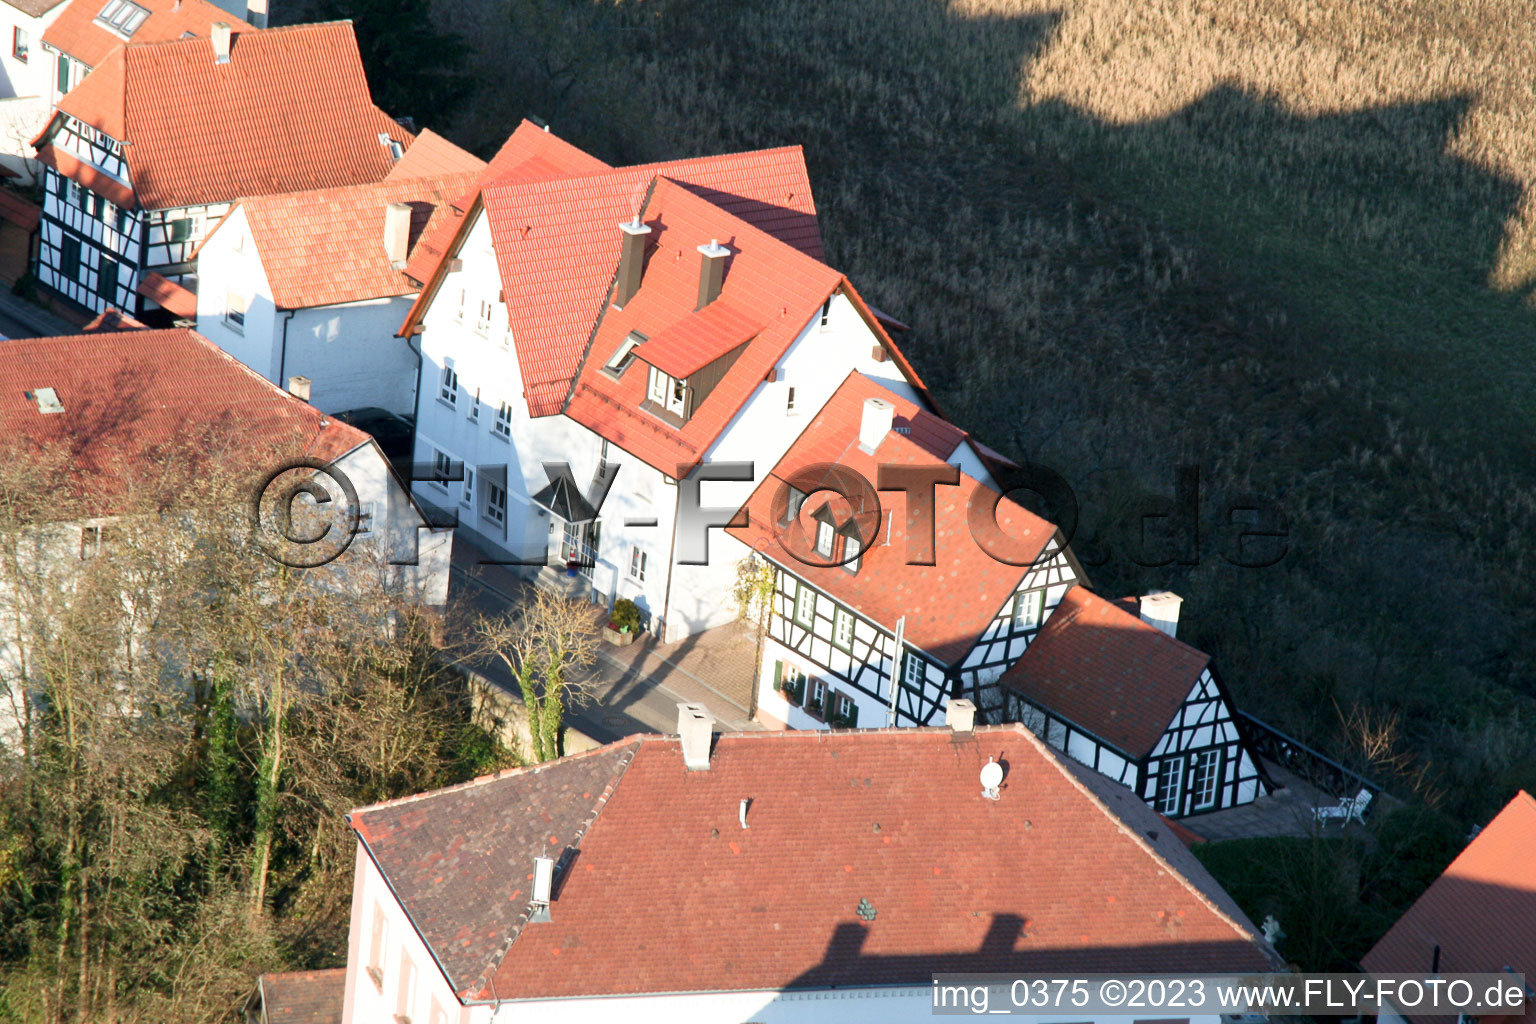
122, 16
625, 355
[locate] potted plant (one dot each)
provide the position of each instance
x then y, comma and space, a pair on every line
793, 689
623, 623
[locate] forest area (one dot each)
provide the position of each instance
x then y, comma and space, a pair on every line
1288, 243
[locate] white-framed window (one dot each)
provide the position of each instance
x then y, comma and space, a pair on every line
448, 387
20, 44
483, 317
826, 314
1027, 608
442, 468
503, 427
825, 534
805, 606
816, 696
637, 560
625, 355
796, 501
496, 504
377, 942
473, 413
234, 312
122, 16
789, 402
668, 392
1170, 785
842, 707
405, 998
842, 628
853, 551
365, 519
467, 490
1206, 784
912, 671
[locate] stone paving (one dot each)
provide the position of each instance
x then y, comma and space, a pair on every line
1285, 812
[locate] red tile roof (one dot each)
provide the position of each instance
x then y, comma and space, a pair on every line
110, 320
303, 997
131, 397
1108, 671
99, 182
327, 246
770, 292
947, 605
698, 339
18, 211
530, 153
78, 33
289, 112
665, 892
1480, 912
432, 156
169, 295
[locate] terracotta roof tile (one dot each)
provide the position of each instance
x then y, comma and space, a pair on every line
169, 295
771, 290
110, 320
327, 246
665, 892
947, 605
130, 396
99, 182
34, 8
78, 33
1480, 912
432, 156
290, 111
1108, 671
303, 997
698, 339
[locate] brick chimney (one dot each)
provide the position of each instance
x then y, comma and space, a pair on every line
397, 234
631, 261
711, 271
220, 37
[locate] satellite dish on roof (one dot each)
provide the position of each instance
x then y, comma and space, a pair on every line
991, 779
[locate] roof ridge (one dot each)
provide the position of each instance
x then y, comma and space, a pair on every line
1059, 762
1141, 622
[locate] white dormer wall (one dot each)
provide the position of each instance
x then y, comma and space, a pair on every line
348, 350
815, 365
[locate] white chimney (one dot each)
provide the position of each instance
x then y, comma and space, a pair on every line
960, 714
397, 233
220, 38
878, 417
695, 727
298, 387
1161, 609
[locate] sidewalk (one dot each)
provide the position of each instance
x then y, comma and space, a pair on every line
636, 688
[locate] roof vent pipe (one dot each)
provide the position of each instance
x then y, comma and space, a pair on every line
220, 38
875, 424
711, 271
695, 728
631, 261
397, 234
1161, 609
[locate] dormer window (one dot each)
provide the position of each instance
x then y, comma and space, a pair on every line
122, 16
853, 552
625, 355
824, 537
669, 393
796, 500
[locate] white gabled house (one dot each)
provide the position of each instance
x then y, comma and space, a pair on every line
146, 153
629, 324
313, 284
668, 878
26, 79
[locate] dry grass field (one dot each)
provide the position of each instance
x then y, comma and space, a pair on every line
1289, 241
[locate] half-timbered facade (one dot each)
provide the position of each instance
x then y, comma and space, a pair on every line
144, 156
854, 570
1109, 685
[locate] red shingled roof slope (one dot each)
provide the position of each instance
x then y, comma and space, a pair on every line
668, 893
327, 246
303, 997
432, 156
530, 153
78, 33
130, 398
1481, 912
771, 290
290, 111
1107, 670
557, 245
947, 605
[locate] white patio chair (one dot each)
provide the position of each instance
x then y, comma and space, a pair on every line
1346, 810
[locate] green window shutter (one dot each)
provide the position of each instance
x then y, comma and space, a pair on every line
853, 713
778, 674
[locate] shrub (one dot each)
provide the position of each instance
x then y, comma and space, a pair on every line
625, 616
